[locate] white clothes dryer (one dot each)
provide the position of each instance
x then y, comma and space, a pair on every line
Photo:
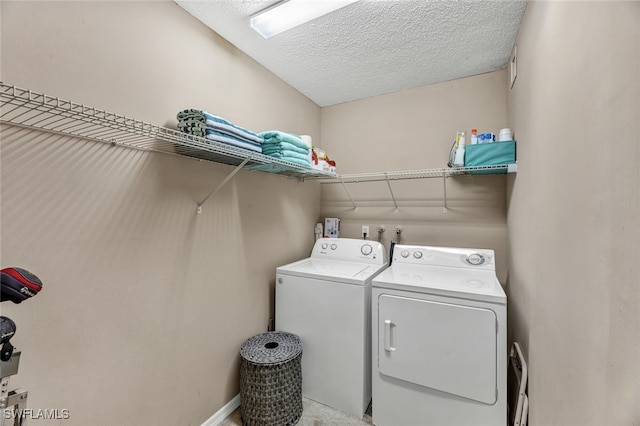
439, 339
326, 301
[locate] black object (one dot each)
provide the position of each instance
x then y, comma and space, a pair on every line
393, 245
18, 284
7, 330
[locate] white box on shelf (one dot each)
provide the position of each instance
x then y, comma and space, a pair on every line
332, 227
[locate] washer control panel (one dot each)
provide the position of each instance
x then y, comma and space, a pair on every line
327, 246
366, 249
349, 249
444, 256
474, 259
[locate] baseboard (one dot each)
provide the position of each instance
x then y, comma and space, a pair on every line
224, 412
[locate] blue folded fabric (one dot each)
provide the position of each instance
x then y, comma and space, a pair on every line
233, 141
219, 124
212, 135
277, 137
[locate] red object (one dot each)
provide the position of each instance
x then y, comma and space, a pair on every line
18, 284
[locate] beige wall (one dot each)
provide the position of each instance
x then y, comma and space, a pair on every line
145, 303
414, 129
573, 211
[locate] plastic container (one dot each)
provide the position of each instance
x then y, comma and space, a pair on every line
458, 159
486, 138
505, 135
474, 136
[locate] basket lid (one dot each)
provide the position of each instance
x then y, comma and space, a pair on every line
273, 347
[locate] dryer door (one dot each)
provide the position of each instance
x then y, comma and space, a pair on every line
447, 347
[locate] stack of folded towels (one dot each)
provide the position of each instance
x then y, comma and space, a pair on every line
201, 123
286, 146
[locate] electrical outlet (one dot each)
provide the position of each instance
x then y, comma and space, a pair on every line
365, 229
398, 229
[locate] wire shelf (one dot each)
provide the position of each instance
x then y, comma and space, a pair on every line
417, 174
24, 108
32, 110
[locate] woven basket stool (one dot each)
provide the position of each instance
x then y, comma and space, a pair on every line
271, 379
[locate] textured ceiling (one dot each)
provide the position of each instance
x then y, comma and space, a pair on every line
373, 47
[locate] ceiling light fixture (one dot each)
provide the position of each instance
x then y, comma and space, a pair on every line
289, 14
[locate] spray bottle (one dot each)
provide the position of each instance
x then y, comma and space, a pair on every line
458, 159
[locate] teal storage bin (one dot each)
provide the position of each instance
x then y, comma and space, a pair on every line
490, 154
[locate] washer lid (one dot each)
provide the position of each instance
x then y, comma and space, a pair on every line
332, 270
474, 284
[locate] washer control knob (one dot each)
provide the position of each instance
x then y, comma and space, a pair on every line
417, 254
334, 246
325, 245
404, 253
366, 249
475, 259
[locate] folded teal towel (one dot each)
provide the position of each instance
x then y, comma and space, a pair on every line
284, 146
276, 136
288, 155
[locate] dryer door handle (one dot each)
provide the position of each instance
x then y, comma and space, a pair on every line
387, 336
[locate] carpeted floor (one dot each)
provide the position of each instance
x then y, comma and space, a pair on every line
313, 414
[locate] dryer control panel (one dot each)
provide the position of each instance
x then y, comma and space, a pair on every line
445, 256
349, 249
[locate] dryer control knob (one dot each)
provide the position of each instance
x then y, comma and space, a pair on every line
417, 255
366, 249
325, 245
334, 246
404, 253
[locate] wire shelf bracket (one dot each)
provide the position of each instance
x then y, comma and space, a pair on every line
223, 183
395, 203
355, 208
444, 183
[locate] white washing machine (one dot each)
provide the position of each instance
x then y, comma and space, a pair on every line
326, 300
439, 339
